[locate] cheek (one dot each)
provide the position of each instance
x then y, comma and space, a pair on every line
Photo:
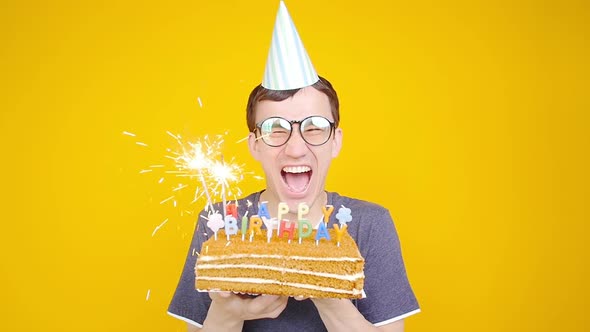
267, 158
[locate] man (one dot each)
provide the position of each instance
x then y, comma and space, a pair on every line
294, 134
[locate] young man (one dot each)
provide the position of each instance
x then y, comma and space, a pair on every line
294, 134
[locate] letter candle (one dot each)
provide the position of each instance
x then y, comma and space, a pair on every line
255, 224
340, 232
244, 225
302, 209
231, 210
283, 209
231, 225
322, 232
304, 229
268, 223
327, 211
285, 229
268, 233
263, 210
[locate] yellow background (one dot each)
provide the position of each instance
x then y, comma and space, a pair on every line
469, 120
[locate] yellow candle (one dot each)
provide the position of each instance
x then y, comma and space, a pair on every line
340, 232
327, 210
255, 224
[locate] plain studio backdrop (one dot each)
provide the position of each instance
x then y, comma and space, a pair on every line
468, 120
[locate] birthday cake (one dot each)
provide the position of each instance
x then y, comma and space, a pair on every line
330, 267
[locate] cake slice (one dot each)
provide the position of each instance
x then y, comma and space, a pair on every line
279, 267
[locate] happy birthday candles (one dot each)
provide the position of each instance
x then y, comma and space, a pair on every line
300, 229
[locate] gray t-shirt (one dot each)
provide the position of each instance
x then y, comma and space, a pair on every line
389, 296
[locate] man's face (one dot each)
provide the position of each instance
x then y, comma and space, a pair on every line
296, 171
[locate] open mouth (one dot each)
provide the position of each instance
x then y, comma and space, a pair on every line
296, 177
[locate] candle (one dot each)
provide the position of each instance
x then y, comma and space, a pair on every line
322, 232
327, 211
290, 229
244, 225
232, 210
268, 234
304, 229
255, 224
215, 223
231, 225
302, 209
283, 209
263, 210
343, 215
269, 227
339, 232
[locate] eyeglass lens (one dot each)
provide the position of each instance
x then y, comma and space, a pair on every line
315, 130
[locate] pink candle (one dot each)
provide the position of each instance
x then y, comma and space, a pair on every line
231, 210
287, 229
283, 209
215, 223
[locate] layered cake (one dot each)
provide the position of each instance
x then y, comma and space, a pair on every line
321, 269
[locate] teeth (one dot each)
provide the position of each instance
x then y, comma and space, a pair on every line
296, 169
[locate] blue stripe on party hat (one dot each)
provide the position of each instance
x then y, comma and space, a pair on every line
288, 65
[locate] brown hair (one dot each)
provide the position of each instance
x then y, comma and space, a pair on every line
260, 93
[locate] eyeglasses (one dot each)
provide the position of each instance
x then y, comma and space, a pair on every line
315, 130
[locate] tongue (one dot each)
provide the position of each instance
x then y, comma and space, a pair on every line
297, 181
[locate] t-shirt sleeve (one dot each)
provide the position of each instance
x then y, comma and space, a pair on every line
389, 296
188, 304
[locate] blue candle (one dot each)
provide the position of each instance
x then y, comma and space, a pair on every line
231, 225
322, 232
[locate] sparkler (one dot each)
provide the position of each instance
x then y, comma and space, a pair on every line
198, 167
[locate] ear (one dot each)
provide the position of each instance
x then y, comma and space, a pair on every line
252, 146
337, 142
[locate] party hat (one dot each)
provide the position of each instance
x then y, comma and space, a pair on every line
288, 65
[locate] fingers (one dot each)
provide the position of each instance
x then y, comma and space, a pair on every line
219, 295
267, 306
248, 307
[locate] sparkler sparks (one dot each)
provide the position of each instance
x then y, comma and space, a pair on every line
195, 171
159, 226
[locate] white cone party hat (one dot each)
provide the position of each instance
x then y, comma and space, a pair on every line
288, 65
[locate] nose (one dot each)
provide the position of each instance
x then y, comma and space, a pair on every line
295, 146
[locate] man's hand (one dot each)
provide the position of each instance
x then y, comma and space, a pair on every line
228, 311
342, 315
247, 307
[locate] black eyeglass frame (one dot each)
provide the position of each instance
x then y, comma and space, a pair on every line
291, 123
